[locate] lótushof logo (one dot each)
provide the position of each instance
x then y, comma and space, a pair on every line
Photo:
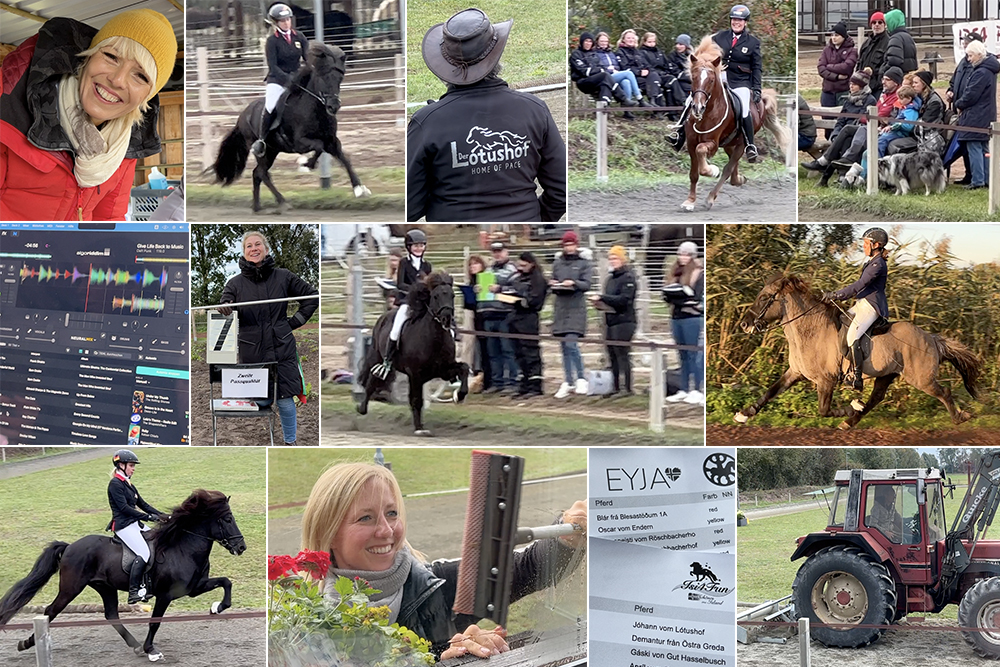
487, 150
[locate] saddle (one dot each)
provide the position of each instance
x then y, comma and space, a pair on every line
128, 555
878, 327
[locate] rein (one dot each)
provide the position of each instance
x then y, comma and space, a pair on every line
708, 96
758, 317
320, 98
226, 541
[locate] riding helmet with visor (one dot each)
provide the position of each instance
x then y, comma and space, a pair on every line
279, 11
415, 236
124, 456
740, 12
876, 235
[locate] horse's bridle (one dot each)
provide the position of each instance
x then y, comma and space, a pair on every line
226, 541
708, 96
758, 320
319, 97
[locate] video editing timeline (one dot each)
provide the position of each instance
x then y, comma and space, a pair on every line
94, 334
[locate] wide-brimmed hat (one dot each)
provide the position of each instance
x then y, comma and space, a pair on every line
466, 47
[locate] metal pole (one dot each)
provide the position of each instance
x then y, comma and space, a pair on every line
255, 303
43, 641
791, 118
602, 143
805, 659
872, 150
204, 105
358, 318
994, 177
656, 392
325, 160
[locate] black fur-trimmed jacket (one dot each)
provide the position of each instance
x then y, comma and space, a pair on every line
124, 498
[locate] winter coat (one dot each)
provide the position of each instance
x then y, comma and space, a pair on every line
36, 156
124, 498
901, 52
503, 272
619, 294
571, 304
685, 294
852, 107
872, 55
870, 286
429, 590
656, 60
532, 289
677, 64
407, 275
632, 59
608, 60
958, 80
807, 124
474, 156
266, 330
836, 64
978, 103
742, 59
583, 64
284, 57
933, 109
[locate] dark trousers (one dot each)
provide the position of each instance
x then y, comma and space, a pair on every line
528, 353
500, 352
650, 84
482, 353
599, 84
621, 364
842, 142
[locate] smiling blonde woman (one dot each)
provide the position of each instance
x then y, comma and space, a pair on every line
77, 110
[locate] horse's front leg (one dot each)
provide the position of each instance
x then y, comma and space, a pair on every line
878, 393
693, 175
159, 609
110, 599
334, 148
824, 391
210, 584
734, 158
417, 406
789, 378
459, 371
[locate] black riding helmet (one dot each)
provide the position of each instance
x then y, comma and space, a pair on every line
876, 235
279, 11
124, 456
415, 236
740, 12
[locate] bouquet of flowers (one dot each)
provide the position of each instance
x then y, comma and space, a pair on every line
306, 629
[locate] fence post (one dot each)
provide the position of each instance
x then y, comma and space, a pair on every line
204, 106
602, 142
805, 658
872, 144
994, 178
656, 392
791, 117
399, 81
43, 641
469, 343
357, 289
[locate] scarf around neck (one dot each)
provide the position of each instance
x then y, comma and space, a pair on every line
99, 153
389, 582
859, 97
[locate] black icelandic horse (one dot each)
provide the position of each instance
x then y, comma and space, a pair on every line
426, 347
179, 547
308, 124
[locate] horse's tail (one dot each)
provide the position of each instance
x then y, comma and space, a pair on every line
232, 158
21, 593
772, 120
962, 358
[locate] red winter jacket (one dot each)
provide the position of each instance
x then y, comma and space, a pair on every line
38, 183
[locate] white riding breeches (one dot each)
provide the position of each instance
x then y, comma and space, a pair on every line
744, 95
272, 94
132, 536
397, 323
864, 314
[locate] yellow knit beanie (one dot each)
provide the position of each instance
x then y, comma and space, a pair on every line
150, 29
619, 252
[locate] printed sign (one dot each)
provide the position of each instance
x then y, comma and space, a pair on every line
988, 31
650, 607
677, 498
244, 383
223, 332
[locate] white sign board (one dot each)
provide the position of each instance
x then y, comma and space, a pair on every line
989, 31
223, 332
244, 383
651, 608
675, 498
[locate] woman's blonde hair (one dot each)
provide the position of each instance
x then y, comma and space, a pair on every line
597, 38
646, 36
243, 241
331, 497
621, 40
130, 50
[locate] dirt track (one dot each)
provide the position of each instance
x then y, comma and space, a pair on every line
743, 436
235, 643
898, 648
759, 200
202, 213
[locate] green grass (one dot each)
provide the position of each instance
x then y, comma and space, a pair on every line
535, 52
338, 198
955, 204
291, 474
70, 502
13, 454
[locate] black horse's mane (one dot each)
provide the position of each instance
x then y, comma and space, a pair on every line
200, 507
320, 60
419, 296
790, 283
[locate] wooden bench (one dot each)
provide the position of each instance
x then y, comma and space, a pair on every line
821, 143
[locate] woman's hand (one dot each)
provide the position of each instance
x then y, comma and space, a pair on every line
477, 642
576, 514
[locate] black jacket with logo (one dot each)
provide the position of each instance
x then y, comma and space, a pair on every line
474, 156
742, 59
284, 58
124, 498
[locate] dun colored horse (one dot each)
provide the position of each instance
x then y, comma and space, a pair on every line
713, 123
816, 352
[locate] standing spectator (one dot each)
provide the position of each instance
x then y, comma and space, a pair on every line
499, 351
590, 77
632, 59
685, 291
571, 276
873, 52
836, 64
481, 363
388, 282
956, 86
901, 50
978, 108
529, 284
807, 126
618, 302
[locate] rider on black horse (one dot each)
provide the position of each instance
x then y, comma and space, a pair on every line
742, 73
125, 520
870, 292
412, 269
285, 49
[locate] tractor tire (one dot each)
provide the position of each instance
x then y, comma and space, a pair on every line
980, 608
843, 584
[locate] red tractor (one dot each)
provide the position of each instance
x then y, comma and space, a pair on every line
887, 552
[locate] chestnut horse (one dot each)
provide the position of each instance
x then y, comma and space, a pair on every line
712, 123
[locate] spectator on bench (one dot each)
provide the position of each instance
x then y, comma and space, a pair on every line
859, 98
591, 77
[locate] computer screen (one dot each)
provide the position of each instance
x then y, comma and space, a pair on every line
94, 333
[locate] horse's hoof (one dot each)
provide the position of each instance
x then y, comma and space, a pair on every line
22, 645
688, 206
362, 409
963, 416
422, 432
138, 650
215, 608
284, 207
740, 418
709, 203
844, 426
361, 191
857, 405
713, 171
153, 657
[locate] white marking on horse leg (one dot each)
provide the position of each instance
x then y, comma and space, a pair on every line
361, 191
153, 657
844, 426
688, 206
713, 171
740, 418
424, 433
215, 608
857, 405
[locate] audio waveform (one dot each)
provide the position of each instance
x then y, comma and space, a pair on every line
95, 276
137, 304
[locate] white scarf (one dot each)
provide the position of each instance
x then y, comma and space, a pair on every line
99, 153
389, 583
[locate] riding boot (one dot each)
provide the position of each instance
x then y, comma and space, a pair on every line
857, 363
622, 98
751, 150
675, 137
660, 102
382, 370
259, 146
136, 589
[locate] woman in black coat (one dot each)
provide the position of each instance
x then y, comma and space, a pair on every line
529, 284
634, 60
618, 302
978, 108
266, 330
932, 110
872, 52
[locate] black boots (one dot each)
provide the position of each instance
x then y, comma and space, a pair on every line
136, 586
751, 150
259, 147
619, 95
382, 370
857, 363
675, 137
